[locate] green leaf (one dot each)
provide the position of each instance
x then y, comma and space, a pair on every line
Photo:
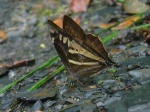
45, 79
109, 37
46, 64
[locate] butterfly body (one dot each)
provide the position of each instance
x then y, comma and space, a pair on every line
82, 54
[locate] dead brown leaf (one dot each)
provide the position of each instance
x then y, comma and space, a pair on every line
58, 82
145, 34
59, 21
38, 111
126, 23
79, 5
115, 51
2, 36
106, 25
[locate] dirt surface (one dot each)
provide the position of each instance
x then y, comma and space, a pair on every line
122, 88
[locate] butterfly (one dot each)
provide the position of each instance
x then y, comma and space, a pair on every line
82, 54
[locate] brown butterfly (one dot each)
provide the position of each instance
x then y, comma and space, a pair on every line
82, 54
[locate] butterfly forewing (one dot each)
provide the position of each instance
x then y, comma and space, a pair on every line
82, 54
57, 35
